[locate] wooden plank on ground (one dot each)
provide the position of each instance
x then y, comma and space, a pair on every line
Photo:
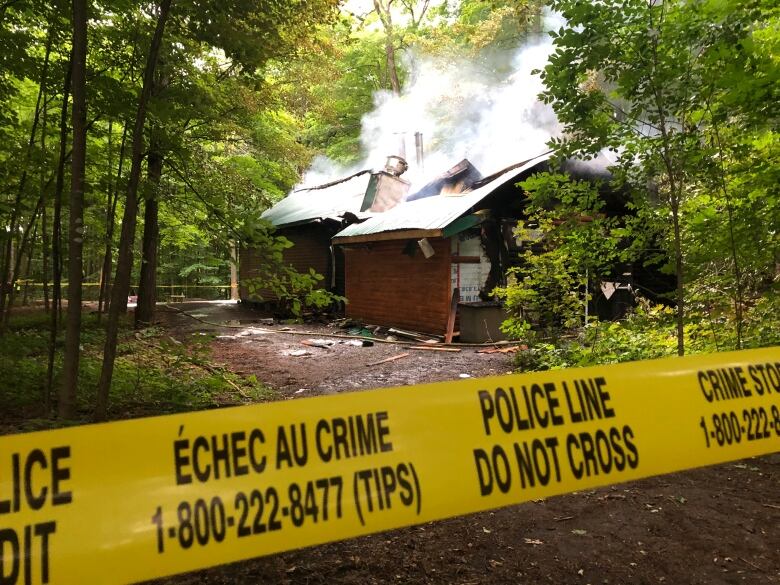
432, 348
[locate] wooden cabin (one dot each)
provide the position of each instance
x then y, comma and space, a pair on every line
310, 217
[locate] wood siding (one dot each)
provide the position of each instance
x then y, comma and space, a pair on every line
311, 249
386, 287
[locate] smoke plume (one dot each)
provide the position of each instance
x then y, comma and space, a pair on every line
463, 110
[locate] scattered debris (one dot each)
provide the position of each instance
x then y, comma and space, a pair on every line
226, 337
361, 332
323, 343
390, 359
533, 541
358, 343
562, 518
296, 352
464, 375
301, 390
253, 331
512, 349
579, 532
430, 348
413, 335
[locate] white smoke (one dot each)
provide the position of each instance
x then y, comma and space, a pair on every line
462, 111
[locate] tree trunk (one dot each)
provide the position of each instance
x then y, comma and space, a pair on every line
70, 371
28, 268
233, 271
147, 289
6, 284
44, 214
17, 263
678, 269
109, 219
56, 241
105, 281
387, 22
125, 259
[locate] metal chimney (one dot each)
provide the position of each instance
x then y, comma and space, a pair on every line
418, 145
386, 188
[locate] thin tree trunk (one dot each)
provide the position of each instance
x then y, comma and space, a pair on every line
675, 199
5, 280
109, 218
678, 269
387, 22
125, 259
56, 242
739, 297
147, 289
105, 282
28, 268
234, 270
70, 370
44, 214
17, 264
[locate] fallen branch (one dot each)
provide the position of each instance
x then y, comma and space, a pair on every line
432, 348
196, 364
747, 562
390, 359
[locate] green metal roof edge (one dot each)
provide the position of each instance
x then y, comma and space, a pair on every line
462, 224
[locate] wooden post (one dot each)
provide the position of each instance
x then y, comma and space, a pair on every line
233, 271
451, 318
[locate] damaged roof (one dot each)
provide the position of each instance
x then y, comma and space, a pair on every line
458, 179
429, 216
305, 206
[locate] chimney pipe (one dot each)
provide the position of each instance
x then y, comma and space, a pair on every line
418, 144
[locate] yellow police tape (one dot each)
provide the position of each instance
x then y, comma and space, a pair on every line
128, 501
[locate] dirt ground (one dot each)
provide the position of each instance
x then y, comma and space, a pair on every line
716, 525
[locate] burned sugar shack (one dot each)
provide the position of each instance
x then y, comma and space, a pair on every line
431, 263
310, 217
449, 243
426, 261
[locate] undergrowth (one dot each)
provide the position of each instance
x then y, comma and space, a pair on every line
649, 332
153, 374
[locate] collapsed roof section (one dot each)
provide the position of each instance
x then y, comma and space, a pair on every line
311, 205
432, 216
456, 180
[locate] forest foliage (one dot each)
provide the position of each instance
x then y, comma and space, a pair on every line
684, 94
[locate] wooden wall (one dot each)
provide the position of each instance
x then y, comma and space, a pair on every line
311, 250
386, 287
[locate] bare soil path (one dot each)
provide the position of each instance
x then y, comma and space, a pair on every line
716, 525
